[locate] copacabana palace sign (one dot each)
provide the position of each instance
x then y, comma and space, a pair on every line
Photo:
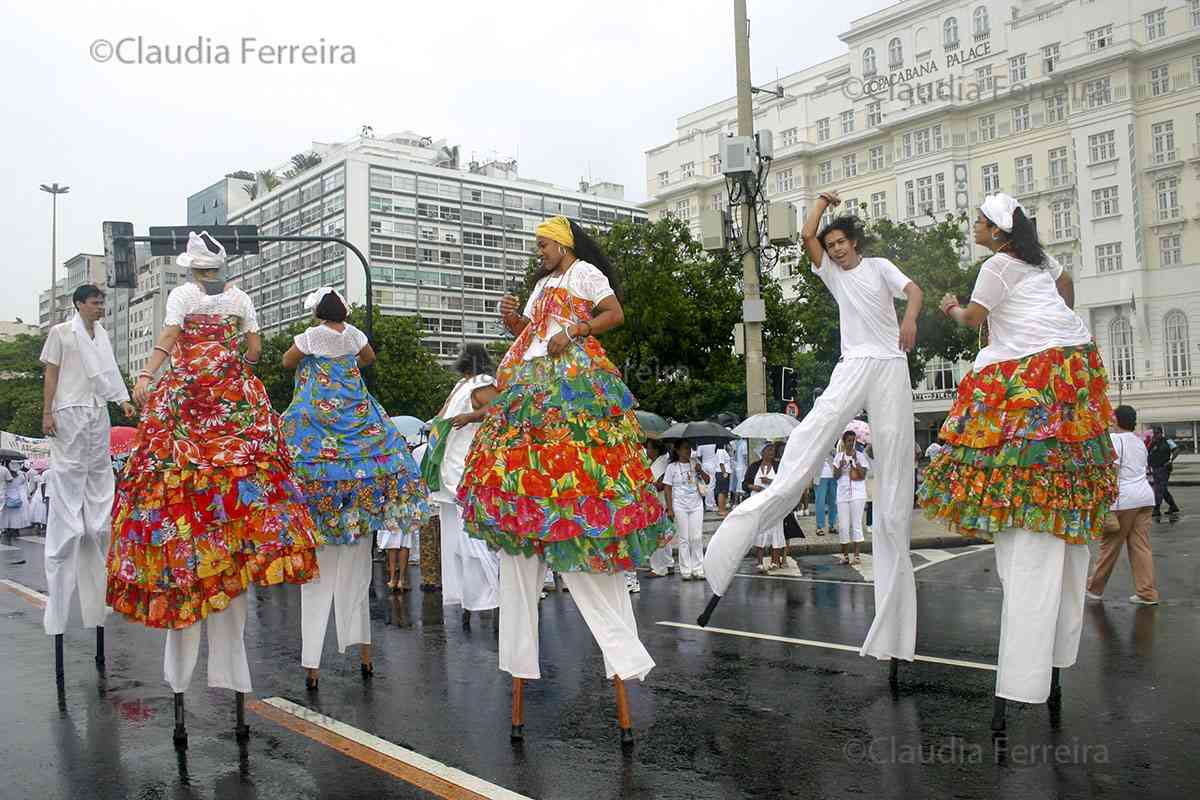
907, 75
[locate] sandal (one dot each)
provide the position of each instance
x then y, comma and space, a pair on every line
857, 560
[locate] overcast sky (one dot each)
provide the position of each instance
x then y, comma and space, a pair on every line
570, 88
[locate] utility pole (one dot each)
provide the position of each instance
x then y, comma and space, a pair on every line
753, 310
54, 190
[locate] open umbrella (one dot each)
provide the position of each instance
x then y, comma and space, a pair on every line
862, 431
652, 424
767, 426
120, 439
698, 433
12, 455
410, 427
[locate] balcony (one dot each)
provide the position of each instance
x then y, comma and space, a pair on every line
1162, 159
1025, 188
982, 36
1119, 389
1165, 216
1067, 234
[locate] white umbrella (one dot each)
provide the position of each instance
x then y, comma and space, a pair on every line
767, 426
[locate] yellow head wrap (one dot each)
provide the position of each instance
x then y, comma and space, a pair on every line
557, 229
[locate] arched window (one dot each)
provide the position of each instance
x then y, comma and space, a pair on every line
1177, 345
869, 61
1121, 334
950, 32
895, 54
981, 22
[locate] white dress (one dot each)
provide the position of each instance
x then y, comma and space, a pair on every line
771, 536
16, 494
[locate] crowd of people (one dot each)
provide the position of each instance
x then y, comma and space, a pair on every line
536, 469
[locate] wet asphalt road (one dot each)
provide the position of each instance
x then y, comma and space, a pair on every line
720, 717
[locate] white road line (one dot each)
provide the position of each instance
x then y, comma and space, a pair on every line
801, 580
21, 588
942, 556
953, 662
8, 547
33, 539
394, 751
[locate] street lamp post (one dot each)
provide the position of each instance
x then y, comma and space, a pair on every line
54, 190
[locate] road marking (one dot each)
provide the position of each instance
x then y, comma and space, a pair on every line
942, 556
32, 595
801, 580
953, 662
33, 539
407, 765
8, 547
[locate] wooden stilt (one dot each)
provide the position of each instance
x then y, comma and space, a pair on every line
998, 711
100, 647
180, 735
623, 718
518, 710
241, 730
1055, 698
59, 675
894, 673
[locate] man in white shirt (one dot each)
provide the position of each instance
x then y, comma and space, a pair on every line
81, 379
872, 373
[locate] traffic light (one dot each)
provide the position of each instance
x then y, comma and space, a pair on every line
120, 263
783, 380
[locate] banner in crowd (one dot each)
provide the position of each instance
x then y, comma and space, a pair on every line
33, 448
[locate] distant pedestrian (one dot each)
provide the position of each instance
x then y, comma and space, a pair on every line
770, 537
850, 469
826, 496
1162, 461
1132, 511
686, 480
724, 474
662, 562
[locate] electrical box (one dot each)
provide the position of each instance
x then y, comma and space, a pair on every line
713, 229
782, 224
738, 156
766, 145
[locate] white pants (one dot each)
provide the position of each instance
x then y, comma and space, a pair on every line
881, 385
344, 584
80, 516
601, 598
663, 558
850, 520
1044, 579
227, 665
470, 568
689, 532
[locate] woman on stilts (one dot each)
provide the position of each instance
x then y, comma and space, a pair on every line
557, 476
355, 471
206, 504
1028, 461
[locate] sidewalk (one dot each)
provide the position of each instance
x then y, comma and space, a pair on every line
925, 534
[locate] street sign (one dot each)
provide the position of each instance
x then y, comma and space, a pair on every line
792, 410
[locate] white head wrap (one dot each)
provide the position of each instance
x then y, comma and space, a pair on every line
198, 256
999, 209
315, 296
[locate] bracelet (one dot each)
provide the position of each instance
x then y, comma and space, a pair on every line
146, 375
248, 361
163, 350
589, 333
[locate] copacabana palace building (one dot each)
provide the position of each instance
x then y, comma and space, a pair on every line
1088, 111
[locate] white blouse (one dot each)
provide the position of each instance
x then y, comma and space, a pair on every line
322, 340
581, 280
189, 298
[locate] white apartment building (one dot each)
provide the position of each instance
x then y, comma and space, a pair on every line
77, 270
444, 243
1088, 111
157, 276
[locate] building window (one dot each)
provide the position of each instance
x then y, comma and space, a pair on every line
910, 199
718, 200
924, 142
688, 169
1121, 333
983, 78
1099, 38
980, 22
939, 375
790, 137
1170, 250
1196, 68
847, 122
1098, 92
683, 208
1024, 170
939, 183
879, 205
1050, 55
950, 33
925, 194
1195, 6
895, 54
823, 129
1059, 171
1177, 344
907, 144
1156, 24
991, 178
785, 180
875, 114
1102, 147
1060, 217
868, 58
664, 178
1162, 135
825, 172
852, 206
1105, 202
987, 128
1167, 191
1056, 108
876, 158
1108, 257
1020, 119
937, 138
1160, 80
1016, 69
850, 165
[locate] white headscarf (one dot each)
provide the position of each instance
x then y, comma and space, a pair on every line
198, 256
314, 298
999, 208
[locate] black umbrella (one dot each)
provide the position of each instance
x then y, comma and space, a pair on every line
652, 424
699, 433
12, 455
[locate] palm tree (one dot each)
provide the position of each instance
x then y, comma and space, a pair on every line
267, 178
302, 162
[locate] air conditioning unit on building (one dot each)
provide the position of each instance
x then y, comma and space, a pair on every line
738, 156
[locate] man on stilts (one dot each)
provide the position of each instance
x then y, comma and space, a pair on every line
81, 379
872, 373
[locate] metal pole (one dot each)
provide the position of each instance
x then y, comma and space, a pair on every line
756, 394
53, 258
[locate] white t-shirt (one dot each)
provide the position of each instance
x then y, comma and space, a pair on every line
189, 298
866, 313
847, 489
708, 457
685, 488
581, 280
1134, 488
322, 340
827, 467
1026, 314
723, 461
74, 388
764, 472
